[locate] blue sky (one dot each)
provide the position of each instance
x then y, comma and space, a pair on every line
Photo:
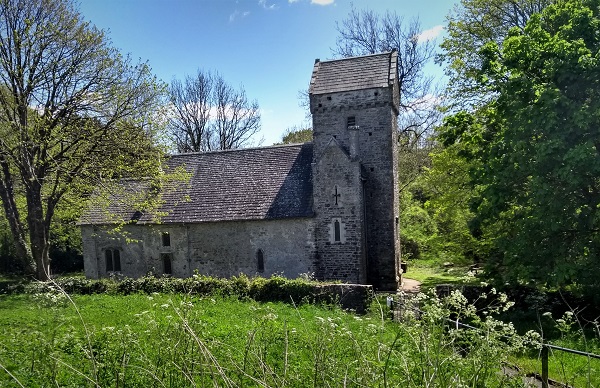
268, 46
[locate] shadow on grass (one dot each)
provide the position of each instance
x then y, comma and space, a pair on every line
432, 281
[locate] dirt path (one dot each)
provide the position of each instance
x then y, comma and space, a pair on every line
411, 285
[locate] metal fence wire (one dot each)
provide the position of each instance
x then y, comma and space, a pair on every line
545, 347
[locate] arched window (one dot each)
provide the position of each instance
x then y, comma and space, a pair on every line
260, 261
113, 260
337, 236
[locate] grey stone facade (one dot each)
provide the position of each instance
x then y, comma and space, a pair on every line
329, 207
219, 249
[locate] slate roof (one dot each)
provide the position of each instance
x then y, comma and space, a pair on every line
245, 184
364, 72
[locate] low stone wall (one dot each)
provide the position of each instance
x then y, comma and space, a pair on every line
356, 297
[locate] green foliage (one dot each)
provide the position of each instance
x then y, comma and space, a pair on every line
273, 289
471, 25
436, 210
537, 149
418, 230
75, 111
296, 135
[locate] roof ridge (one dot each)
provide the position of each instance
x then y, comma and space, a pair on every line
356, 57
239, 149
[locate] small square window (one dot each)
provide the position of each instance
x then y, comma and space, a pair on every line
166, 239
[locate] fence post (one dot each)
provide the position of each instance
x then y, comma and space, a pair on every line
544, 366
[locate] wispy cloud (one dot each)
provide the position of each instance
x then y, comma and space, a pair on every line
263, 3
292, 1
430, 34
322, 2
238, 15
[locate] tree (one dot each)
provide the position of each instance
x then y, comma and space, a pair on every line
297, 135
208, 114
538, 147
471, 25
365, 32
72, 110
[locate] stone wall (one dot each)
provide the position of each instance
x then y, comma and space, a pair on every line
374, 111
220, 249
338, 198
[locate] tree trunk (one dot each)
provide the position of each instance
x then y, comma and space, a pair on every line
12, 215
38, 231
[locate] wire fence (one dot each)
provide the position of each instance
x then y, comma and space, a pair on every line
545, 347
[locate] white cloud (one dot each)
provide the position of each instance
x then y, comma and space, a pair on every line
322, 2
292, 1
263, 3
238, 15
430, 34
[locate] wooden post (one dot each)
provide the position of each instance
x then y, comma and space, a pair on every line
544, 366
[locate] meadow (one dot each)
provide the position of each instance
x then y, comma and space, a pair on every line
167, 339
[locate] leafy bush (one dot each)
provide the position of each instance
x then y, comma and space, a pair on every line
273, 289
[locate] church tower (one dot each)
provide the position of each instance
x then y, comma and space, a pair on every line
354, 105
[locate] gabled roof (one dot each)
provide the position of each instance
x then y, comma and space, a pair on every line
245, 184
364, 72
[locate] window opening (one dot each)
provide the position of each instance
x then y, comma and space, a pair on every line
117, 259
336, 231
167, 261
337, 195
351, 121
260, 261
166, 239
370, 133
109, 260
113, 260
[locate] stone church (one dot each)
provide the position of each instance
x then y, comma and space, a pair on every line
328, 207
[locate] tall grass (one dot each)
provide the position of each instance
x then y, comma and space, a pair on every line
175, 340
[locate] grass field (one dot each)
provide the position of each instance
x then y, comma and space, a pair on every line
432, 274
180, 341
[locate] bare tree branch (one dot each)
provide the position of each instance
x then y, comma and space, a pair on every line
209, 114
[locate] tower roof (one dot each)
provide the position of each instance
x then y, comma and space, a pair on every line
364, 72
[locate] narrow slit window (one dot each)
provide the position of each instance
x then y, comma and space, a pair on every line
117, 259
260, 261
167, 262
166, 239
336, 231
108, 256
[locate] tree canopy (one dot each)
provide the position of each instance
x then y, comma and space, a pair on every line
536, 147
73, 110
471, 25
